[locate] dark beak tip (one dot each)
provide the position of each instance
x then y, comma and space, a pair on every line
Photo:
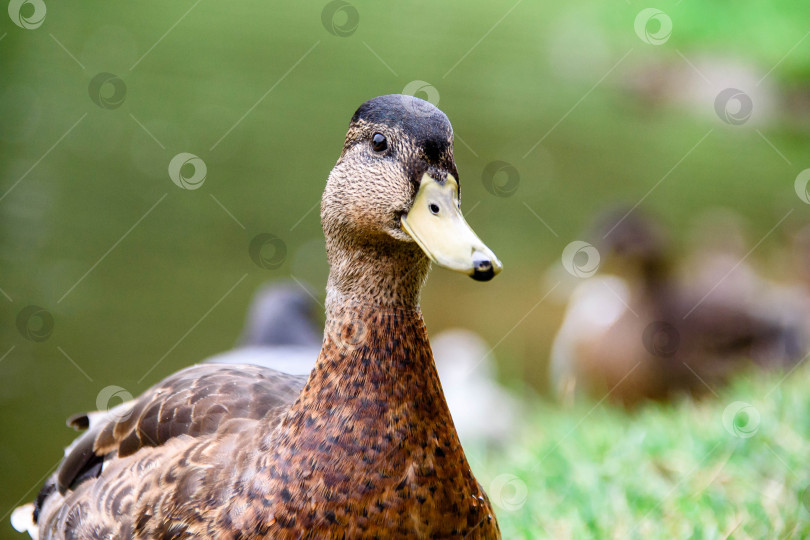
483, 269
480, 274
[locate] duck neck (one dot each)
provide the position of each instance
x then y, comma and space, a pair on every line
375, 368
375, 376
370, 438
387, 274
656, 286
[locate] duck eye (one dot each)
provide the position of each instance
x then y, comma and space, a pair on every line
379, 142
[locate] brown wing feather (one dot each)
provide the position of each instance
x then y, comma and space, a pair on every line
194, 401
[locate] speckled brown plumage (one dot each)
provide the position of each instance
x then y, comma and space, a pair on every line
366, 450
195, 401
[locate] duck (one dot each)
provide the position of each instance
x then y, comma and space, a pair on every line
466, 367
282, 314
645, 332
282, 331
364, 446
717, 266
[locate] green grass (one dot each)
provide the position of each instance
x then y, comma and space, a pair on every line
668, 472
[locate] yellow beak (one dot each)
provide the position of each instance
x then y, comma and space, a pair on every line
437, 226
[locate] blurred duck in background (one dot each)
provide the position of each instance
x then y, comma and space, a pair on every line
484, 413
640, 330
794, 300
717, 267
283, 331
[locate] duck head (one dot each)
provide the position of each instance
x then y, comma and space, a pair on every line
395, 188
634, 244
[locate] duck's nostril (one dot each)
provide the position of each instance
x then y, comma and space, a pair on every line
482, 269
483, 265
434, 208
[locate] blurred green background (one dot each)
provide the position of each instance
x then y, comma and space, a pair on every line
141, 275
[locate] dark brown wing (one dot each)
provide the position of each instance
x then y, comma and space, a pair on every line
194, 402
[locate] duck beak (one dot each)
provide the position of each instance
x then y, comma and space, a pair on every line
437, 226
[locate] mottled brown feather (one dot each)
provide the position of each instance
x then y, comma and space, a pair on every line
194, 401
